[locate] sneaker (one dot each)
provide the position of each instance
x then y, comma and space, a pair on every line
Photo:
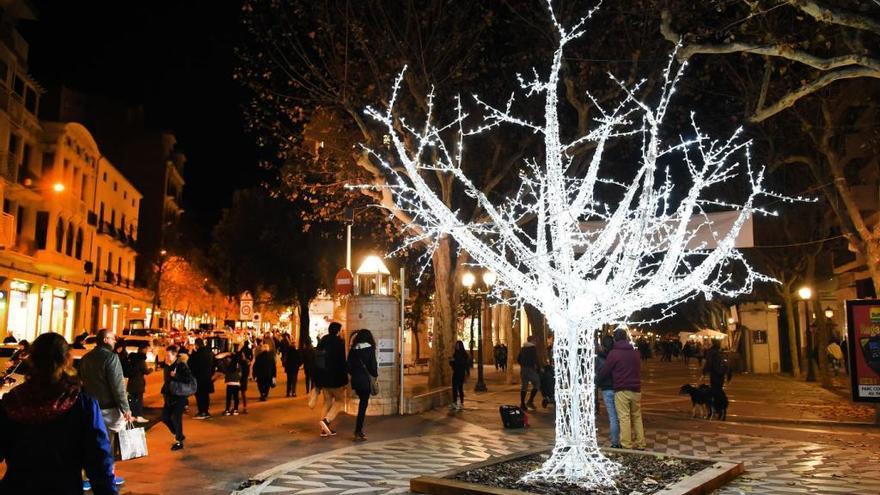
326, 431
141, 419
235, 412
86, 485
616, 446
227, 413
177, 446
200, 416
118, 480
359, 437
453, 406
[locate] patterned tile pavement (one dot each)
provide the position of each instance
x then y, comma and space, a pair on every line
773, 466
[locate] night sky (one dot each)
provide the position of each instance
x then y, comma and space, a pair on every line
175, 57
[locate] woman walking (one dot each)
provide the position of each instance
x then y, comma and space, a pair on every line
176, 371
245, 359
364, 370
50, 431
264, 370
459, 363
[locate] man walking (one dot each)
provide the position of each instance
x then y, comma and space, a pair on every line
332, 375
624, 367
201, 363
529, 372
101, 375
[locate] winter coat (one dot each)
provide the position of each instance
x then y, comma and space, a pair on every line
361, 366
246, 359
202, 365
308, 359
459, 364
137, 370
334, 373
604, 383
232, 373
182, 373
528, 356
623, 365
48, 435
102, 378
292, 360
264, 366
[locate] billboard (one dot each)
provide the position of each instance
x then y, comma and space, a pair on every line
863, 342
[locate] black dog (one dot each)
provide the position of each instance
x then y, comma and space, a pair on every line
719, 404
701, 399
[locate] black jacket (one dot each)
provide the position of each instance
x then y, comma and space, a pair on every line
459, 364
202, 365
334, 373
137, 370
362, 365
264, 366
606, 383
292, 360
528, 356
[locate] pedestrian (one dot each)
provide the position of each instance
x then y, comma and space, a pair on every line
716, 367
623, 365
529, 372
496, 356
201, 363
503, 357
232, 379
122, 354
459, 364
176, 370
606, 390
307, 352
332, 375
79, 342
265, 370
51, 430
137, 383
364, 371
245, 359
101, 375
292, 360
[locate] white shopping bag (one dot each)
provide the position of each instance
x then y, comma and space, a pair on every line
132, 443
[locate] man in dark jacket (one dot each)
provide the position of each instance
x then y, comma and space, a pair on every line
201, 363
137, 383
291, 361
332, 375
624, 368
606, 389
529, 372
716, 368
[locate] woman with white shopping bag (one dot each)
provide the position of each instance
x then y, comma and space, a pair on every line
179, 384
50, 431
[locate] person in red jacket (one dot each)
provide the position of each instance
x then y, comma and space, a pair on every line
624, 368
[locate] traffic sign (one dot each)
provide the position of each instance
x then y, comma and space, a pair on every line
257, 317
344, 281
246, 307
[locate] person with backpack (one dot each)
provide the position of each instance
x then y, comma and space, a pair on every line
179, 384
529, 372
291, 360
332, 375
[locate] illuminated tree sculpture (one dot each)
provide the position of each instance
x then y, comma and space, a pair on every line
582, 261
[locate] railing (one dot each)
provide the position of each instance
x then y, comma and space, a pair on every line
7, 230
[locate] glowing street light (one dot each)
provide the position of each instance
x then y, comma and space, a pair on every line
805, 293
829, 313
468, 279
489, 278
58, 187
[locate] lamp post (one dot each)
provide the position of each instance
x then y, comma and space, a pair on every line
806, 294
478, 294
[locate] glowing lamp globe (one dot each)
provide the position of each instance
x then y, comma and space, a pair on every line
489, 278
468, 280
373, 265
58, 187
805, 293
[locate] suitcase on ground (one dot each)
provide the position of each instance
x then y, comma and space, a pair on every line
512, 417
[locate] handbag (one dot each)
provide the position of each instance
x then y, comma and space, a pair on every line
374, 380
132, 443
184, 389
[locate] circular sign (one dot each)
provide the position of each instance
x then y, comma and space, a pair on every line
344, 281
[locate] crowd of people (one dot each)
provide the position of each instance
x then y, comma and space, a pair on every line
65, 417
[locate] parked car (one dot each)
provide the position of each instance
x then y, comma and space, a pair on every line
155, 353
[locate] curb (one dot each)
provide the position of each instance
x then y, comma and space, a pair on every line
759, 419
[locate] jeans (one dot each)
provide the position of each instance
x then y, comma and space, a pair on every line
613, 423
629, 413
291, 382
307, 373
172, 415
203, 401
458, 389
362, 410
264, 385
232, 397
136, 403
334, 399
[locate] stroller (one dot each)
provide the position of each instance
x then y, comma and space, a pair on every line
548, 386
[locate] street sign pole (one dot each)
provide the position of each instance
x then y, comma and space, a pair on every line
401, 336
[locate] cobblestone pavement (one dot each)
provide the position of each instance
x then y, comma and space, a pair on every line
773, 466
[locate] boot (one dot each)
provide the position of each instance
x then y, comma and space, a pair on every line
531, 402
522, 400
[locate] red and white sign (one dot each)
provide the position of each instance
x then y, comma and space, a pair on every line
246, 307
344, 282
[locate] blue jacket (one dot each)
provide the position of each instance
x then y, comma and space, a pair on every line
48, 437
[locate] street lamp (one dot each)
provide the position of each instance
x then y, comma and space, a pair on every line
829, 313
479, 294
806, 293
58, 187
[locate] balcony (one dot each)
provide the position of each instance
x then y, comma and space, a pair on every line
7, 231
109, 277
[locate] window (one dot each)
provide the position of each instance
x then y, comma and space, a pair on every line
115, 186
101, 215
98, 265
26, 155
122, 223
19, 220
7, 206
124, 194
18, 85
48, 164
13, 144
79, 244
41, 229
68, 250
105, 176
759, 336
113, 218
82, 189
4, 71
119, 267
59, 235
30, 100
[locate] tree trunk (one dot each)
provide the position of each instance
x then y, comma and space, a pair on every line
439, 371
513, 344
486, 322
576, 457
303, 303
793, 347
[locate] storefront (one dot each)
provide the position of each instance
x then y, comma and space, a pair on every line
22, 314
